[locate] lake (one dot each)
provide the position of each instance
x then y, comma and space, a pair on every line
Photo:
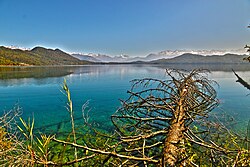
37, 90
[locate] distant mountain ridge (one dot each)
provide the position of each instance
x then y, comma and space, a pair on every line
167, 54
200, 59
86, 57
37, 56
43, 56
102, 57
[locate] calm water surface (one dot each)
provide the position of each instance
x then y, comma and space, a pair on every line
38, 91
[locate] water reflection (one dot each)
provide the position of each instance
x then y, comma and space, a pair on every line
16, 76
211, 67
33, 72
26, 75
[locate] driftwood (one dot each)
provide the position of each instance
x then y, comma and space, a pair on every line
241, 81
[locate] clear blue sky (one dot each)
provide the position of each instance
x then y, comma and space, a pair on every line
133, 27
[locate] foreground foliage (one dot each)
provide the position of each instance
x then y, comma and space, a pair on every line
162, 123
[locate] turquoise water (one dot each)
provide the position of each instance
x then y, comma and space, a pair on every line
38, 91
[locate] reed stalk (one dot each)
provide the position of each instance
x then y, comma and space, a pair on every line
71, 112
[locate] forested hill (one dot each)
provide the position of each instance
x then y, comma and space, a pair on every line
199, 59
37, 56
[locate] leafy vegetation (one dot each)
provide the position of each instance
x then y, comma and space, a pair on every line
162, 123
37, 56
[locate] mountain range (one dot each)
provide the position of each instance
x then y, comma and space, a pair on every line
43, 56
188, 58
167, 54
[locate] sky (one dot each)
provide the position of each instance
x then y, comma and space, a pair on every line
131, 27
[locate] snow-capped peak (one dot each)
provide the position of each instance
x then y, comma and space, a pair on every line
17, 47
